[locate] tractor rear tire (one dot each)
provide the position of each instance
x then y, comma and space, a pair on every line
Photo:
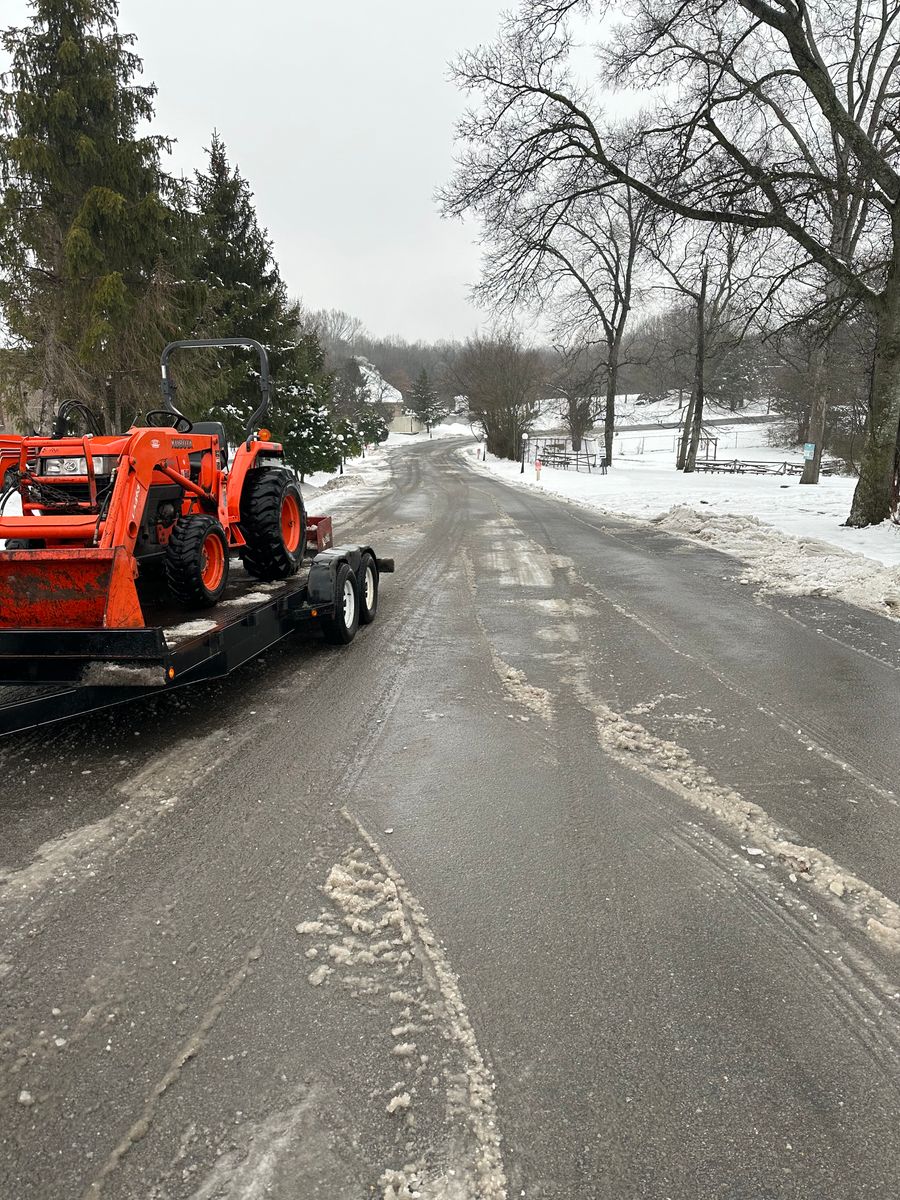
196, 561
273, 522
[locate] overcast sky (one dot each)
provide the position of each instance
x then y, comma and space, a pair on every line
340, 115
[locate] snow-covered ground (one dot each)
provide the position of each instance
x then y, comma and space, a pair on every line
366, 474
453, 428
373, 468
789, 536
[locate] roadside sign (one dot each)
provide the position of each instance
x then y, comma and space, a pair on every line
809, 451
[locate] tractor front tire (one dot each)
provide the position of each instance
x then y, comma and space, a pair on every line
196, 561
273, 522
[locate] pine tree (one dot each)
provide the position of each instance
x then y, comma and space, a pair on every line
302, 418
247, 298
360, 414
91, 228
424, 402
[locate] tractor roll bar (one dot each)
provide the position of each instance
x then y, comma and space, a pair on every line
265, 383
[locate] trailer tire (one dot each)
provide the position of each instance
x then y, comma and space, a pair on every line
196, 561
273, 522
367, 586
340, 628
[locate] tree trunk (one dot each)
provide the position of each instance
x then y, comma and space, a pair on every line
576, 423
685, 433
815, 430
873, 495
609, 416
690, 461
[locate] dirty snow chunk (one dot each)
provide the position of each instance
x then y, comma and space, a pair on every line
310, 927
247, 598
320, 974
391, 935
189, 629
25, 1098
753, 850
340, 954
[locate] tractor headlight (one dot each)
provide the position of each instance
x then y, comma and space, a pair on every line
74, 466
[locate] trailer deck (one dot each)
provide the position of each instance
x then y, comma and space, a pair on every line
66, 672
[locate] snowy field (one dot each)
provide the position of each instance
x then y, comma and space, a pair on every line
790, 537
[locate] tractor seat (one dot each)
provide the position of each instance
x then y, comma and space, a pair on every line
210, 427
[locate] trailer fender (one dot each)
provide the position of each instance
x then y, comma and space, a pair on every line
324, 569
323, 572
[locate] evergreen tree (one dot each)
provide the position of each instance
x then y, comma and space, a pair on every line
361, 416
91, 228
247, 298
424, 402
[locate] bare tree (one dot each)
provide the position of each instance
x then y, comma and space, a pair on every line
574, 376
576, 254
338, 332
502, 381
721, 271
771, 113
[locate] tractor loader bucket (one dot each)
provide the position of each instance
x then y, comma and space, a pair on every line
83, 588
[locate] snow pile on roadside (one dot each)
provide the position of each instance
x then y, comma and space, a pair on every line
795, 566
370, 471
794, 542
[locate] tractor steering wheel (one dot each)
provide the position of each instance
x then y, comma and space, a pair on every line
176, 421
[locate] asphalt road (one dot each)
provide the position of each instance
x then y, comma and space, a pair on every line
574, 875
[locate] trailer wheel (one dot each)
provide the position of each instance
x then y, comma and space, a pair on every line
273, 522
340, 629
367, 586
197, 561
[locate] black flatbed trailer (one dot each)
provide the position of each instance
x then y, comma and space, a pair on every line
64, 673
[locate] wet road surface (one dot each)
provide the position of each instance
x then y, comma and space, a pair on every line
575, 874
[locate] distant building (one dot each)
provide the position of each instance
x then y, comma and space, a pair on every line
383, 393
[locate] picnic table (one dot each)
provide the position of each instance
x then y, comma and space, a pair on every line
737, 466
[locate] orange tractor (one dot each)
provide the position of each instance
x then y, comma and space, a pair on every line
98, 511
